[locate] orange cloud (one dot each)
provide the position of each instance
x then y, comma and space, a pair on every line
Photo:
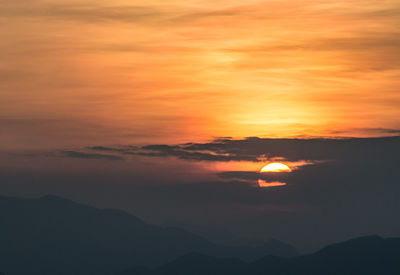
172, 71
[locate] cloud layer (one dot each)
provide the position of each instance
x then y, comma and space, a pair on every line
256, 149
169, 72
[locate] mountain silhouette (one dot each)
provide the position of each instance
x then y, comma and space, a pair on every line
195, 264
52, 235
365, 255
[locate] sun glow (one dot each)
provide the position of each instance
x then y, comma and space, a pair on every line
275, 167
263, 183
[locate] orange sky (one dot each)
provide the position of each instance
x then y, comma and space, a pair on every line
99, 72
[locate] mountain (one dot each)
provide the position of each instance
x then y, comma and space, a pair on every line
52, 235
195, 264
361, 256
226, 237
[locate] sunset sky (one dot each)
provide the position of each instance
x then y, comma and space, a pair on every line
109, 72
169, 109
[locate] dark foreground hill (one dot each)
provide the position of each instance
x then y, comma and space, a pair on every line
51, 235
366, 255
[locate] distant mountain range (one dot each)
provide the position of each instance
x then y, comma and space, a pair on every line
52, 235
365, 255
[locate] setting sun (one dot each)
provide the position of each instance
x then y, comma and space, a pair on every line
275, 167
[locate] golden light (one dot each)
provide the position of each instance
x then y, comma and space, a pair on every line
263, 183
275, 167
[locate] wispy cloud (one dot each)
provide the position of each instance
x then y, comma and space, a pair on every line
85, 155
183, 70
81, 12
260, 149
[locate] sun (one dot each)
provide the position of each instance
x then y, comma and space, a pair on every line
275, 167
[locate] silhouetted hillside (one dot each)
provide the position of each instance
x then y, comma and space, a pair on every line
194, 264
366, 255
52, 235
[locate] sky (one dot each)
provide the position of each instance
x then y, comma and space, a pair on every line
74, 72
168, 109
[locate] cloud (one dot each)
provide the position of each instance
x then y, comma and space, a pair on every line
383, 130
188, 153
367, 43
249, 176
81, 12
83, 155
254, 148
369, 131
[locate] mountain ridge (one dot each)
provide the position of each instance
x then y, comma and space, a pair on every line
358, 256
53, 235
